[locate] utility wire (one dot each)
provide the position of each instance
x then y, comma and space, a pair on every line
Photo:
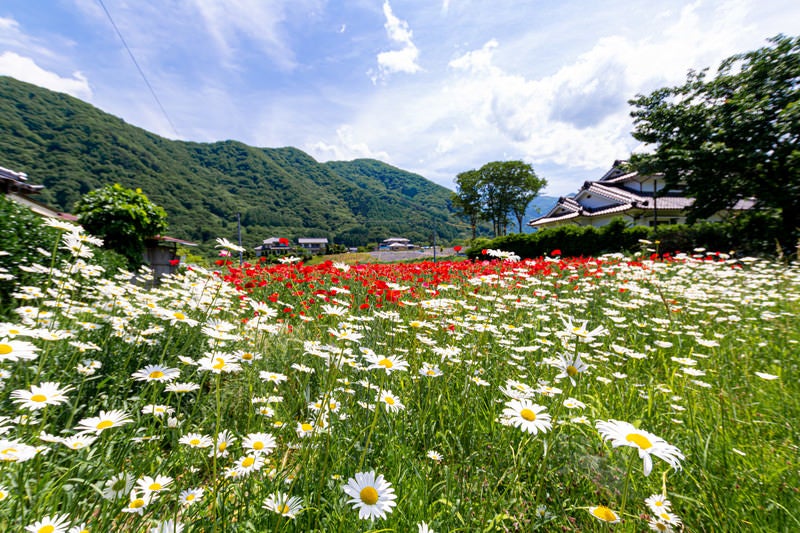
141, 72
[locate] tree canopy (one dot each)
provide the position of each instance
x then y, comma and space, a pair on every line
730, 137
495, 192
124, 218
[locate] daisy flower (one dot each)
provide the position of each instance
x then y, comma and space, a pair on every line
283, 504
156, 373
658, 503
189, 496
181, 387
434, 456
372, 496
430, 370
152, 485
527, 416
259, 443
196, 440
11, 350
3, 492
390, 363
626, 434
604, 514
40, 396
392, 402
14, 451
422, 527
117, 486
50, 524
273, 377
137, 502
248, 464
78, 442
219, 362
224, 440
570, 366
106, 420
656, 524
80, 528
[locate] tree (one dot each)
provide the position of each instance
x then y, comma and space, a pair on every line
124, 218
468, 199
495, 191
732, 137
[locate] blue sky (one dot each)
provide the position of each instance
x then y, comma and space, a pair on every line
433, 87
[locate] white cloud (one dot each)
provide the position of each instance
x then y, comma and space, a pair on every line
26, 69
345, 147
403, 60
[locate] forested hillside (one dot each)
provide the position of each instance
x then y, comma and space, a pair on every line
72, 147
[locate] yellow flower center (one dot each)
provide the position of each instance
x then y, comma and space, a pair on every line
430, 372
283, 509
247, 356
640, 440
248, 461
306, 427
572, 371
661, 526
528, 415
222, 446
369, 495
155, 486
156, 374
46, 529
220, 363
194, 442
179, 316
39, 398
389, 400
105, 424
258, 445
605, 514
385, 363
8, 451
189, 497
5, 349
137, 503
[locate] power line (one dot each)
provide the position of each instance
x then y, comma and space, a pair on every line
141, 72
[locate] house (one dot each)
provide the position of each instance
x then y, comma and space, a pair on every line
315, 245
274, 246
639, 199
396, 243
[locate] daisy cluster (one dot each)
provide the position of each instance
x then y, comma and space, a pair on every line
312, 397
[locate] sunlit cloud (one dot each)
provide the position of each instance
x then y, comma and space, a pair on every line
26, 69
402, 60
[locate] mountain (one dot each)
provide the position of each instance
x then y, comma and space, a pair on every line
72, 148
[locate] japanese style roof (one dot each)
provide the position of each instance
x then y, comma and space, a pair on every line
17, 182
312, 240
618, 192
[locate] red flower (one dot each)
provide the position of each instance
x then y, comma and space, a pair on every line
284, 241
174, 262
457, 248
555, 252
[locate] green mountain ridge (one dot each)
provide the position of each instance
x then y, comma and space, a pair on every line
72, 148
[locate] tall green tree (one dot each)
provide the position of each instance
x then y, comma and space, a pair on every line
124, 218
731, 137
496, 191
467, 199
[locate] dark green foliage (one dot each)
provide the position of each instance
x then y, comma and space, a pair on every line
123, 218
731, 137
754, 233
73, 148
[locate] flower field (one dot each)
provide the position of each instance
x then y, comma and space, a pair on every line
551, 394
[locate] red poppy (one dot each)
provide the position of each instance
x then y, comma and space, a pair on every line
457, 248
174, 262
555, 252
284, 241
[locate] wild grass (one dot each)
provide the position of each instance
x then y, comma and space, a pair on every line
408, 371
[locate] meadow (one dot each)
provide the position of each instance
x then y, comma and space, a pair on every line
557, 394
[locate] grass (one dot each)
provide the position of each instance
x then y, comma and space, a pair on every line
425, 374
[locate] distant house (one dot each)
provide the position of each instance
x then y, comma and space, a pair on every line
274, 246
315, 245
396, 243
643, 200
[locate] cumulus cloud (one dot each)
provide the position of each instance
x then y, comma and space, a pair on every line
26, 69
345, 147
402, 60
